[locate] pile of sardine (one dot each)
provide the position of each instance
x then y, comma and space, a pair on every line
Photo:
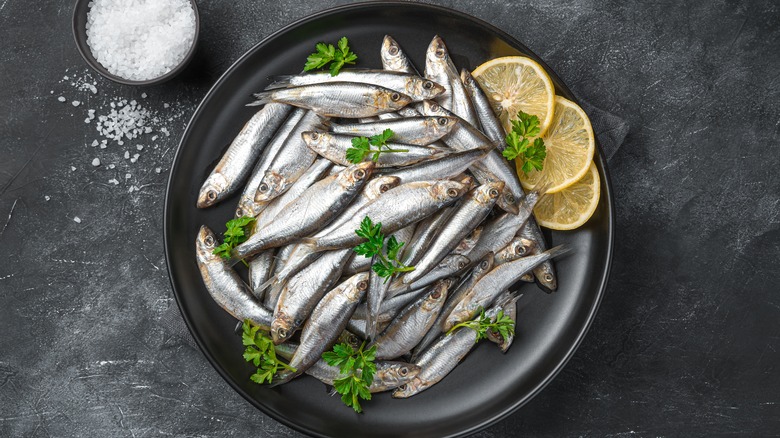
451, 198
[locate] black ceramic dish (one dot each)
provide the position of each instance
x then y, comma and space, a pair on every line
80, 11
487, 386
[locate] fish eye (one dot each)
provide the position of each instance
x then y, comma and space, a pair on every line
520, 249
263, 187
493, 193
393, 50
452, 193
383, 188
359, 174
440, 53
483, 265
436, 294
403, 371
435, 107
362, 285
239, 212
209, 241
211, 194
442, 121
427, 85
395, 97
282, 332
510, 198
298, 322
461, 265
548, 277
314, 135
402, 387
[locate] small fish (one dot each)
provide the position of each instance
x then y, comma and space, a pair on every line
491, 126
451, 265
409, 327
290, 163
395, 209
394, 58
236, 163
438, 360
327, 321
334, 147
338, 99
224, 284
410, 84
437, 64
471, 211
246, 204
317, 206
417, 130
447, 167
544, 273
260, 270
485, 291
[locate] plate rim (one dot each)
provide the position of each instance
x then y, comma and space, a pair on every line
602, 164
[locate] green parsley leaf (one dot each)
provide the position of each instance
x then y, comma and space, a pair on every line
361, 147
519, 145
381, 139
237, 232
384, 265
327, 54
357, 368
261, 353
482, 324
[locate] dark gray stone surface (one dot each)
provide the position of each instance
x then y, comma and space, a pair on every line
685, 343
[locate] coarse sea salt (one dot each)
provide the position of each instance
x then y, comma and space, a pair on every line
140, 39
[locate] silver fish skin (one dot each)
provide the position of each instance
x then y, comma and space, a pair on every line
339, 99
424, 234
447, 167
473, 209
490, 286
236, 163
544, 273
260, 270
357, 263
246, 204
501, 230
480, 270
314, 173
451, 265
303, 255
469, 242
395, 209
438, 360
282, 256
518, 247
491, 126
506, 302
460, 102
492, 167
389, 374
224, 285
409, 327
290, 163
334, 147
317, 206
327, 321
437, 66
300, 294
390, 307
410, 84
394, 58
418, 130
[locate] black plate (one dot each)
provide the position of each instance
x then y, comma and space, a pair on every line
487, 386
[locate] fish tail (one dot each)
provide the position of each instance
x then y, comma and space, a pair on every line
281, 81
262, 97
323, 124
270, 282
558, 251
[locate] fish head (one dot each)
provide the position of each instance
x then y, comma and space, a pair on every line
213, 190
436, 57
431, 108
457, 262
393, 58
247, 207
271, 186
436, 296
485, 265
317, 141
545, 278
391, 99
448, 191
522, 247
409, 388
488, 194
441, 125
205, 244
393, 374
357, 286
357, 174
423, 88
471, 240
282, 328
380, 185
350, 339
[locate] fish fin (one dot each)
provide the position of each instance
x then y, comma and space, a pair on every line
330, 390
283, 377
558, 251
312, 243
281, 81
262, 97
323, 124
270, 282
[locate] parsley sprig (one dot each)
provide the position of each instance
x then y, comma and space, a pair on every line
361, 147
386, 265
327, 53
238, 230
260, 351
502, 325
357, 367
518, 144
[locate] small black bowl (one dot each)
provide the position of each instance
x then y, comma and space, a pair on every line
80, 35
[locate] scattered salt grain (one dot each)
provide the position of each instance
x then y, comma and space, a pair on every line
142, 39
165, 105
73, 169
95, 143
75, 103
127, 155
113, 181
96, 162
165, 131
143, 95
111, 166
61, 99
140, 147
154, 137
46, 197
77, 220
128, 176
65, 78
158, 170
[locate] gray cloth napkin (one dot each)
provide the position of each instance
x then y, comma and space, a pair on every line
610, 130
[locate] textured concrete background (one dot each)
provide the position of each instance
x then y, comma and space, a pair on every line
685, 343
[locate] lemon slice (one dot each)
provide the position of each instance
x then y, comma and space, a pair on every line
517, 83
570, 147
572, 206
